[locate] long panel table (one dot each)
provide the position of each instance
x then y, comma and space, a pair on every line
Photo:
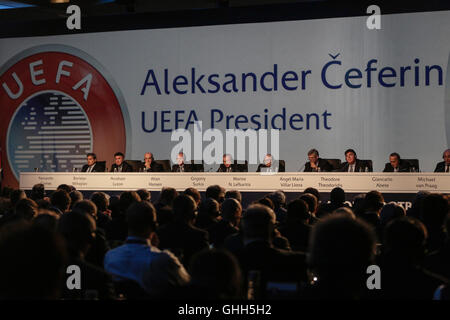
244, 182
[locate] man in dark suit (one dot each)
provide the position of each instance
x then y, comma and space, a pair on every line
119, 165
181, 237
444, 166
396, 164
269, 165
352, 164
92, 165
181, 166
150, 165
316, 164
228, 165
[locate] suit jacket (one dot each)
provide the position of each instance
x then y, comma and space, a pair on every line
234, 168
440, 167
404, 166
187, 168
324, 165
274, 168
97, 168
183, 240
125, 167
154, 167
360, 166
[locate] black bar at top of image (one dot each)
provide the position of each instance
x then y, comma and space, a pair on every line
203, 17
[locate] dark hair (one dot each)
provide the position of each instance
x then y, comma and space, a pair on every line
127, 198
37, 192
337, 196
258, 222
86, 206
144, 194
23, 245
219, 271
184, 208
119, 154
77, 227
216, 192
141, 218
100, 200
60, 199
311, 200
65, 187
209, 208
435, 208
395, 154
373, 201
16, 196
235, 194
313, 151
266, 201
75, 196
297, 210
193, 193
93, 155
26, 209
278, 198
167, 196
229, 208
314, 192
350, 150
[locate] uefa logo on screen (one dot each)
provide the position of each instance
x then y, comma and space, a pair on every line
58, 104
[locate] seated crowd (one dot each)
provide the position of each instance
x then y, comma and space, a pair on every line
185, 246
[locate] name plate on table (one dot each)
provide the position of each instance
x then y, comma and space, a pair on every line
247, 182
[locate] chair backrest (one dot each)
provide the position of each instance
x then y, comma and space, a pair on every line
414, 163
241, 167
198, 167
165, 165
335, 163
135, 164
102, 163
281, 166
368, 164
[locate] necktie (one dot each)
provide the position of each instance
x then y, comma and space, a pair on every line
119, 169
90, 169
448, 168
351, 168
181, 168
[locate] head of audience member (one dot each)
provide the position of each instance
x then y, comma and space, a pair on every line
394, 159
268, 160
344, 211
405, 240
337, 196
118, 158
148, 159
47, 219
16, 196
298, 211
185, 209
75, 196
218, 272
37, 192
33, 262
167, 196
435, 208
194, 193
86, 206
26, 209
313, 156
234, 194
232, 211
127, 198
266, 201
373, 202
91, 159
101, 201
78, 229
180, 158
350, 156
340, 250
390, 212
446, 156
258, 223
44, 204
311, 200
60, 199
209, 208
227, 160
278, 198
216, 192
144, 194
66, 188
313, 191
141, 219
